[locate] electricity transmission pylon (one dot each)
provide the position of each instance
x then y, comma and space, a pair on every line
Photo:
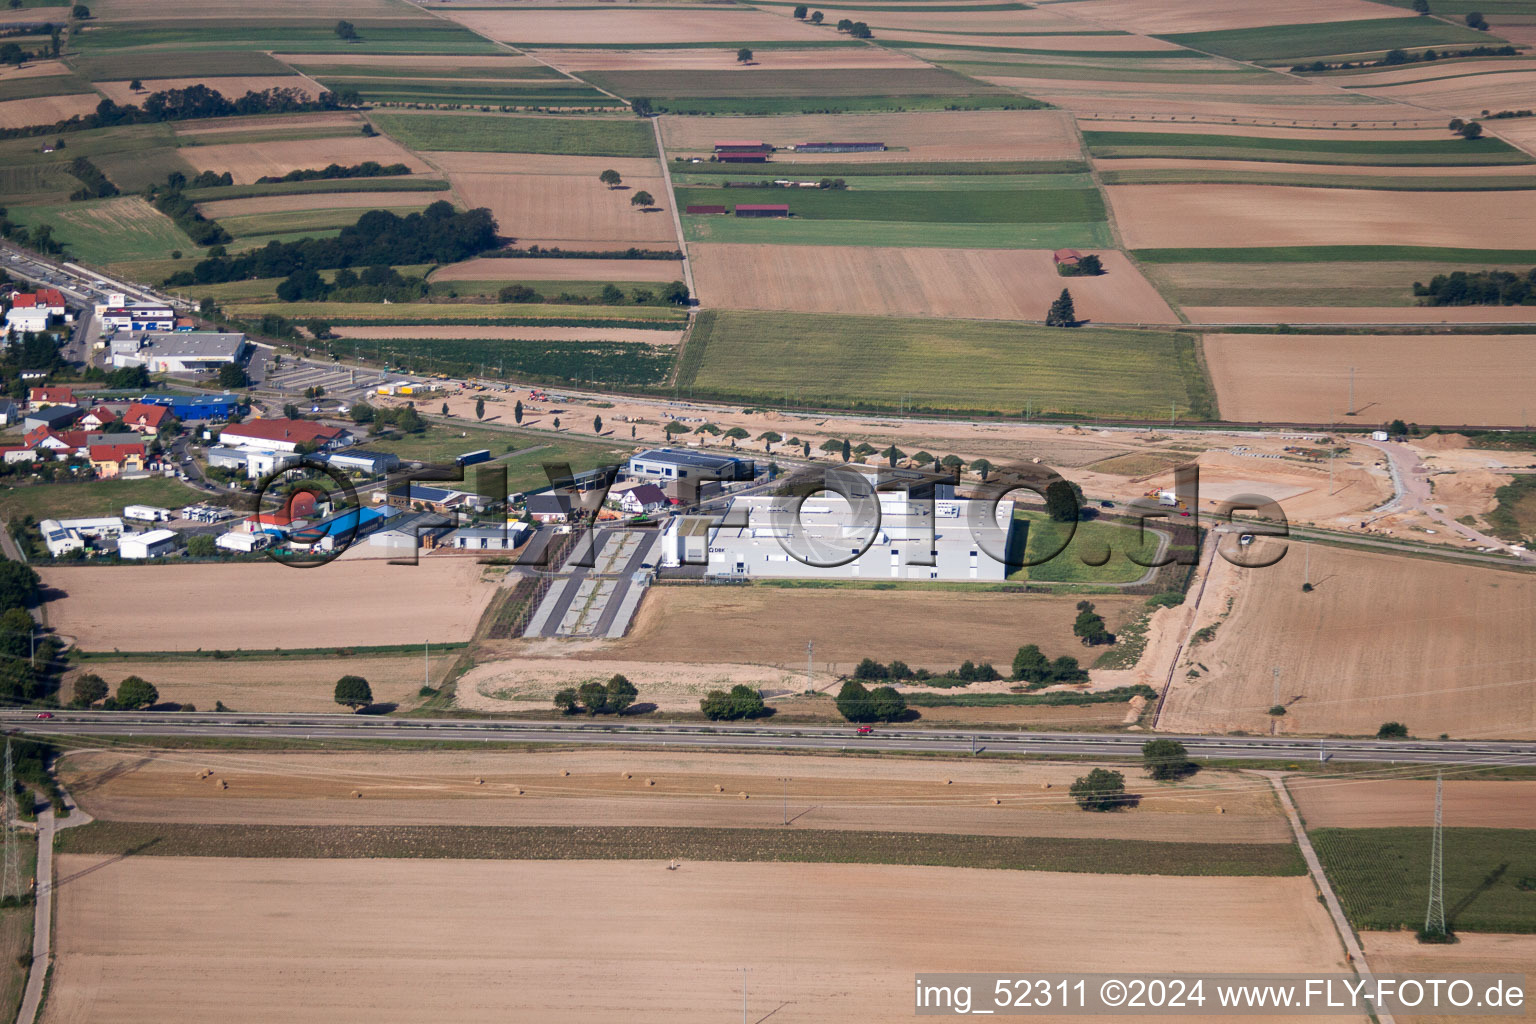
10, 881
1434, 918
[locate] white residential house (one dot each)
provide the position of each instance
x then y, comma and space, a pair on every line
644, 498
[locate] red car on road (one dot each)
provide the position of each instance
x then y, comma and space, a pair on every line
866, 730
45, 714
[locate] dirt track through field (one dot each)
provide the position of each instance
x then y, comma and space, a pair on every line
997, 284
241, 940
266, 605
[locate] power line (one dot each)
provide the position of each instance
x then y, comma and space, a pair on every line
1434, 917
10, 882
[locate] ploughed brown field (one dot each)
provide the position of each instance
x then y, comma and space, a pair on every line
1343, 802
266, 605
993, 284
248, 940
1221, 216
638, 788
45, 109
1464, 379
1440, 647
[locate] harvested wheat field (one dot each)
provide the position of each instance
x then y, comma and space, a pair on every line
924, 135
1440, 647
725, 59
1403, 953
425, 63
769, 626
1385, 803
46, 109
1274, 378
222, 208
559, 200
247, 161
262, 605
1466, 95
1216, 168
633, 26
237, 940
231, 88
1165, 16
1349, 316
34, 16
277, 684
990, 284
510, 333
34, 69
1221, 216
1087, 43
1336, 132
635, 788
658, 271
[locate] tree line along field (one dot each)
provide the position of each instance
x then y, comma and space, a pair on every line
1109, 145
846, 361
486, 134
1287, 42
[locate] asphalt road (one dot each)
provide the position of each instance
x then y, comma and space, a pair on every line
87, 724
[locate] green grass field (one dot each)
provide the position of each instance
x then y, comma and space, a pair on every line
1488, 8
765, 82
1381, 876
591, 363
289, 188
92, 498
589, 136
442, 442
804, 845
16, 937
1277, 42
850, 361
664, 317
1366, 283
109, 230
917, 205
1344, 150
394, 90
1106, 543
46, 85
121, 67
1336, 253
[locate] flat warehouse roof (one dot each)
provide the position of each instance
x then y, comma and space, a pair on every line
680, 458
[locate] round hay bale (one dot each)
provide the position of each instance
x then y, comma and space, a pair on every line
223, 784
949, 782
719, 788
479, 782
564, 772
1220, 809
743, 796
357, 794
996, 802
519, 790
1045, 785
625, 775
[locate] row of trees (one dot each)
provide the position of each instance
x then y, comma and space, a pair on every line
437, 234
594, 698
737, 703
133, 693
674, 294
1104, 790
857, 703
1479, 288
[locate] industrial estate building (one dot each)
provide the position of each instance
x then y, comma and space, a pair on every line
686, 464
178, 351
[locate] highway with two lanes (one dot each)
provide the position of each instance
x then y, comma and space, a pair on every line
105, 725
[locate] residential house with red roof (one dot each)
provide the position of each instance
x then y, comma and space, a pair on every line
109, 460
146, 419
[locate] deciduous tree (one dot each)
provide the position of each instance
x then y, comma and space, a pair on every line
351, 691
1100, 790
